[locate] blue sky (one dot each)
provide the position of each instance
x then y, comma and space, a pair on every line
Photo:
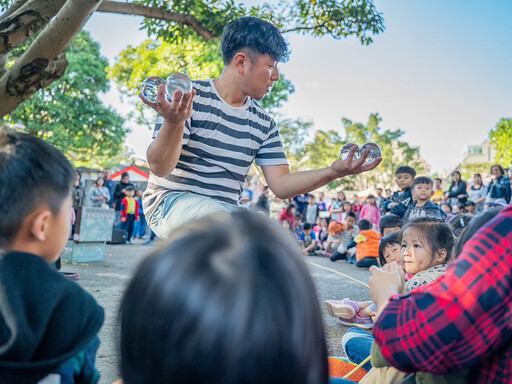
441, 72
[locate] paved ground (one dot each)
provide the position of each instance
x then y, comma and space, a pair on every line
106, 281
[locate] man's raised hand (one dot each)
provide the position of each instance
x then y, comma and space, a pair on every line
175, 112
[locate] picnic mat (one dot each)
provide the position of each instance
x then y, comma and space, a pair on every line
339, 367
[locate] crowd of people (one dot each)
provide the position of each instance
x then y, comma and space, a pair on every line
228, 298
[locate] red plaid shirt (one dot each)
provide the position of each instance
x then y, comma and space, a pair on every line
464, 319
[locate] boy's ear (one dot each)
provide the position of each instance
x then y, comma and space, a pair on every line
39, 225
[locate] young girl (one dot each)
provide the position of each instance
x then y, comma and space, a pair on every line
371, 212
347, 207
426, 246
288, 213
228, 300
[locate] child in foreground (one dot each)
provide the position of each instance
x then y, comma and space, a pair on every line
48, 324
220, 305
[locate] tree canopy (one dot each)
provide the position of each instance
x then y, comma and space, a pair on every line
501, 137
58, 21
69, 114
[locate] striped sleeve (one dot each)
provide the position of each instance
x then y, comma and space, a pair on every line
271, 151
186, 131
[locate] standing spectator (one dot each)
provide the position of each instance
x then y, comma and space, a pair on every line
110, 185
499, 187
301, 201
276, 206
262, 203
311, 211
99, 196
139, 228
380, 198
347, 207
458, 190
119, 195
78, 197
129, 212
356, 205
437, 197
371, 212
388, 193
321, 203
336, 207
477, 193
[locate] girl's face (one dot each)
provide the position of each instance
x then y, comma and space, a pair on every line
416, 254
456, 177
370, 201
285, 224
324, 223
347, 207
392, 252
341, 197
446, 209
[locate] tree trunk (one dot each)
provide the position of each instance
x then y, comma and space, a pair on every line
40, 65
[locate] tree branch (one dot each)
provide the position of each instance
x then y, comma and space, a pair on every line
13, 8
24, 78
109, 6
26, 21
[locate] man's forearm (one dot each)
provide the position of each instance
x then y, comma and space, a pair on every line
293, 184
164, 152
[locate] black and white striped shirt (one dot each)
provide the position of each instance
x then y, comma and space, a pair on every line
219, 144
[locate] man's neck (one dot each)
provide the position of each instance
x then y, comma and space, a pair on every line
229, 89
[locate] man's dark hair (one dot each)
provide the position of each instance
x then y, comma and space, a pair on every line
422, 180
406, 169
228, 300
390, 221
253, 36
351, 214
364, 224
307, 226
32, 173
124, 174
391, 239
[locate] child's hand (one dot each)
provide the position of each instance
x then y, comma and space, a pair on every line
123, 220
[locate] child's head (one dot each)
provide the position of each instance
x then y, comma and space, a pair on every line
422, 188
378, 191
404, 176
297, 218
390, 249
324, 222
364, 225
286, 224
350, 219
35, 190
290, 209
347, 207
370, 200
437, 183
446, 208
139, 193
307, 228
129, 191
459, 223
390, 223
470, 207
335, 228
219, 305
426, 242
311, 200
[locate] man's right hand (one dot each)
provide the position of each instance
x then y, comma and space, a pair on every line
175, 112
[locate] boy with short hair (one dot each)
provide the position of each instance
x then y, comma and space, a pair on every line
437, 196
308, 240
334, 237
390, 223
367, 245
400, 200
129, 212
349, 233
311, 211
48, 324
422, 191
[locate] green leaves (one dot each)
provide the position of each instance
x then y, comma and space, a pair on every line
501, 138
69, 115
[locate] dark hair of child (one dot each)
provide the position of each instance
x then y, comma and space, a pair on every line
391, 239
351, 214
28, 164
253, 36
219, 305
406, 169
129, 188
371, 197
289, 208
390, 221
298, 216
472, 227
124, 174
459, 222
307, 226
447, 205
437, 178
422, 180
364, 225
434, 232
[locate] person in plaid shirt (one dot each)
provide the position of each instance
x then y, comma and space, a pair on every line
461, 321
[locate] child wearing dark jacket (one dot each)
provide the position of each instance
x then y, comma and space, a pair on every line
400, 200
